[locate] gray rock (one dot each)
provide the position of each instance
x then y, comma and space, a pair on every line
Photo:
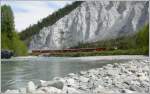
128, 82
136, 88
84, 79
56, 84
83, 72
39, 92
70, 90
12, 92
91, 22
49, 90
102, 90
71, 74
70, 81
112, 72
115, 65
22, 90
127, 91
30, 87
145, 83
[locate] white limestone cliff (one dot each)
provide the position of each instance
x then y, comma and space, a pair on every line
93, 21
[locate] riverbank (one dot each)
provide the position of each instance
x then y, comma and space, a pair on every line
85, 58
130, 77
112, 57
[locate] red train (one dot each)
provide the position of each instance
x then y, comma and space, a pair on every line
69, 50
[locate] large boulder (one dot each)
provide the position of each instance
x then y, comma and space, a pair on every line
56, 84
30, 87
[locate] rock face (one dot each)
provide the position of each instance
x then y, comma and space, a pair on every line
93, 21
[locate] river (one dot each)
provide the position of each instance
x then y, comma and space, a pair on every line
15, 73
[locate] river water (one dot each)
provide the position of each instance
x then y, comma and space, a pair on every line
15, 73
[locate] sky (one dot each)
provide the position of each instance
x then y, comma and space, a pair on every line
27, 13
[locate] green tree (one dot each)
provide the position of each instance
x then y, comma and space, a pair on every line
9, 38
19, 47
143, 36
7, 24
7, 19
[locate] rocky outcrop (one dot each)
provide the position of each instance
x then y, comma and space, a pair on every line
118, 78
93, 21
6, 54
